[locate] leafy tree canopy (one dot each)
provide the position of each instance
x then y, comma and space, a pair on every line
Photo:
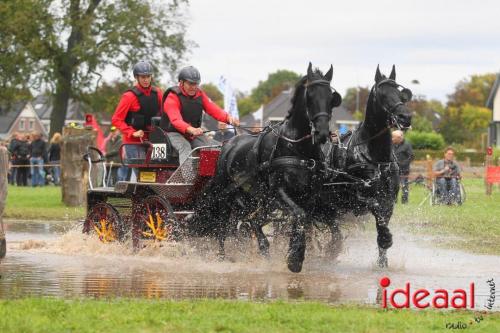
473, 90
274, 84
68, 44
213, 92
356, 98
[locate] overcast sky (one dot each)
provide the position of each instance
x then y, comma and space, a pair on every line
437, 42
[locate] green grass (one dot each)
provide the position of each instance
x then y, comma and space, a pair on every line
53, 315
476, 222
39, 203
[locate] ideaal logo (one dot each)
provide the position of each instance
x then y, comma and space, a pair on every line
423, 298
439, 299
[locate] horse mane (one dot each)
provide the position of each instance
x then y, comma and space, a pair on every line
299, 86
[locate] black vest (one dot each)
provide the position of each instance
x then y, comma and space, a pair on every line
141, 119
191, 110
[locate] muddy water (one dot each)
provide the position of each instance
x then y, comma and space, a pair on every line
54, 260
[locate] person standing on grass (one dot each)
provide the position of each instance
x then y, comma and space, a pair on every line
404, 155
21, 151
55, 157
14, 142
37, 157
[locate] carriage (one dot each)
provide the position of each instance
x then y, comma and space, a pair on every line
153, 206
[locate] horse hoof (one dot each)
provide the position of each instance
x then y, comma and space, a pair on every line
266, 256
221, 257
295, 267
295, 260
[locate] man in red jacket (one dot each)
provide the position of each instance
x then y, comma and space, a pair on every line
138, 105
183, 107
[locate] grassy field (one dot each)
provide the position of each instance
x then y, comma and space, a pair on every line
39, 203
476, 222
53, 315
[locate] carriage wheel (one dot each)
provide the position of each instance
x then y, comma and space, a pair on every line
105, 221
156, 219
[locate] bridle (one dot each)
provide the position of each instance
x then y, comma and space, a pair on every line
320, 114
392, 120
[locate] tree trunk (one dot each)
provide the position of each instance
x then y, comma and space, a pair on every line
74, 169
4, 165
61, 99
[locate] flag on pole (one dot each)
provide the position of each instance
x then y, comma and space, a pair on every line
259, 116
230, 103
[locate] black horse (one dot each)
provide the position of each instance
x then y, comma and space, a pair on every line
277, 168
365, 175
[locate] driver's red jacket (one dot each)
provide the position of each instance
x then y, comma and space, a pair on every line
172, 107
130, 103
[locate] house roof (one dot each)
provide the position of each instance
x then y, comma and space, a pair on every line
491, 98
8, 114
279, 106
43, 107
341, 113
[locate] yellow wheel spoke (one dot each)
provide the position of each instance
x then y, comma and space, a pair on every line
105, 231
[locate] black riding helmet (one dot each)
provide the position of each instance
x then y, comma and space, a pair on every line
190, 74
143, 67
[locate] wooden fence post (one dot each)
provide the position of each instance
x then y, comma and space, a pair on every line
430, 173
488, 162
4, 169
73, 168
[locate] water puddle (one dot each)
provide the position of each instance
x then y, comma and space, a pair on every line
45, 259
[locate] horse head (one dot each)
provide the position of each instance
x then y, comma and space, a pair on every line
390, 98
320, 99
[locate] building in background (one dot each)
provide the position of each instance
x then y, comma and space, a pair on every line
43, 107
277, 109
19, 117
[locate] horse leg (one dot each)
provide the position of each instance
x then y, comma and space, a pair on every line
297, 245
262, 240
336, 243
384, 239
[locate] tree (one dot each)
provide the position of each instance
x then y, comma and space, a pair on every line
474, 91
356, 98
85, 37
105, 98
213, 92
247, 105
274, 84
25, 28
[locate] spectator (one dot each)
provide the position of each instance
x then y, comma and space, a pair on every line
38, 156
447, 173
118, 172
14, 142
55, 157
21, 153
404, 156
223, 134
